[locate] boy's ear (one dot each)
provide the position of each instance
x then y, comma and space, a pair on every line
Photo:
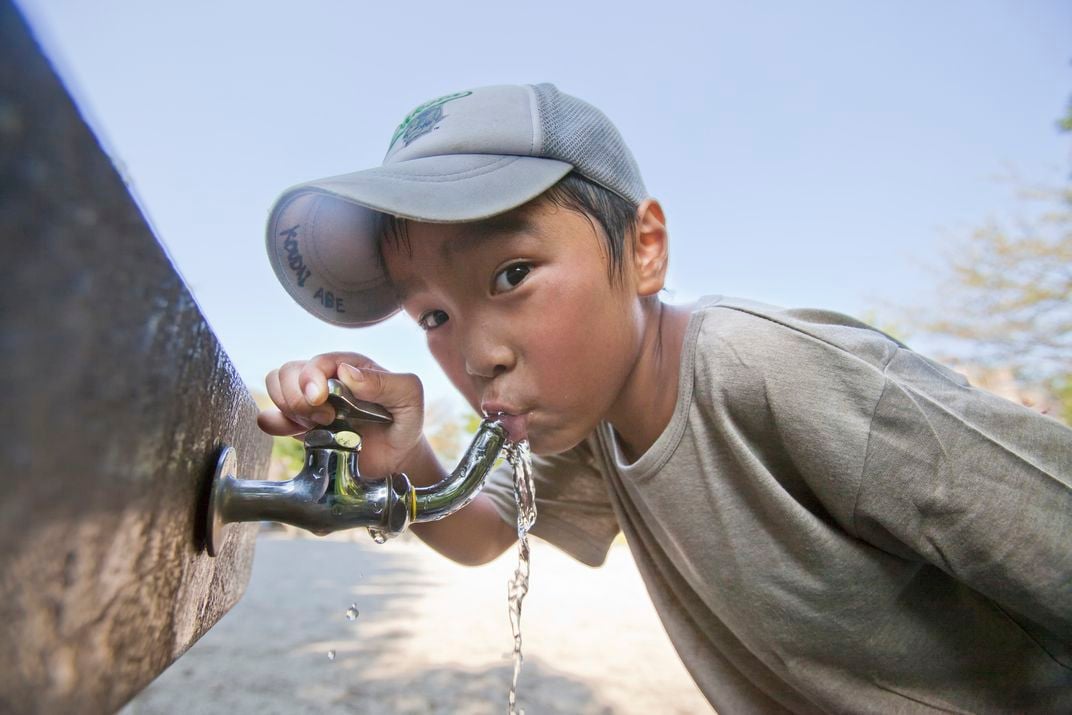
651, 249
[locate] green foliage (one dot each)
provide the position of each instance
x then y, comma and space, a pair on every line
290, 452
1061, 388
285, 450
472, 422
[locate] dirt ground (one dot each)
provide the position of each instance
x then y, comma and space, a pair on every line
430, 637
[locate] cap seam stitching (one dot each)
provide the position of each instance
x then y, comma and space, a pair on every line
460, 174
533, 119
501, 158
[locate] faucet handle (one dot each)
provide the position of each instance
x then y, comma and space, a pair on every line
349, 409
350, 412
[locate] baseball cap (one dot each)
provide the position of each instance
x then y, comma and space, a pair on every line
461, 157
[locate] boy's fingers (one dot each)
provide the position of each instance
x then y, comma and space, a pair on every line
329, 362
275, 390
314, 375
312, 378
395, 391
275, 422
294, 402
313, 381
302, 414
299, 390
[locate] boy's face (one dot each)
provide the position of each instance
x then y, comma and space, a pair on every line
522, 315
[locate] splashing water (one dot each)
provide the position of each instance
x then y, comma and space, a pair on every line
352, 612
331, 654
520, 459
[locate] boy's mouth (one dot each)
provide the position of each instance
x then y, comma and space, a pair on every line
516, 425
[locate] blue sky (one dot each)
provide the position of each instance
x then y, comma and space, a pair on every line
807, 154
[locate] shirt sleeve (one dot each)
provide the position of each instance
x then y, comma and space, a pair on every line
977, 485
904, 454
573, 509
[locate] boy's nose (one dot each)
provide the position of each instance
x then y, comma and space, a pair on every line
488, 374
487, 358
485, 369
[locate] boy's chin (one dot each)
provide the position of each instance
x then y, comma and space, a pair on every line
546, 445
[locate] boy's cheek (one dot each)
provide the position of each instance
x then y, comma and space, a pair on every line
454, 369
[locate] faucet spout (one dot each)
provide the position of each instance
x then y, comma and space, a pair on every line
463, 484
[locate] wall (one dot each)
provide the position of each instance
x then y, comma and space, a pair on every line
116, 398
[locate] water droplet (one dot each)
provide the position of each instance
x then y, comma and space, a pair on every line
331, 654
352, 612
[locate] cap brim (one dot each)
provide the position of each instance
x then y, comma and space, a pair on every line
321, 240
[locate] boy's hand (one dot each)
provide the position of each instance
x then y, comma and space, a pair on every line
300, 391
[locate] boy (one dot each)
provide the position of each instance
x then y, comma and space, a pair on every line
825, 520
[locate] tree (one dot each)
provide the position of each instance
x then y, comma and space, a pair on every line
1012, 292
1006, 297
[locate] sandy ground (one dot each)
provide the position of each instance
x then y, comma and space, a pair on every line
431, 637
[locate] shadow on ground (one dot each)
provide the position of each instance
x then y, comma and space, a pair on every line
270, 653
477, 692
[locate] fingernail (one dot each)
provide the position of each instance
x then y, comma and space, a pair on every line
353, 373
312, 392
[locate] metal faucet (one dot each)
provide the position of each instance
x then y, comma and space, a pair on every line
330, 494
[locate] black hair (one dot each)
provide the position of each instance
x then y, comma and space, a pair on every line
616, 215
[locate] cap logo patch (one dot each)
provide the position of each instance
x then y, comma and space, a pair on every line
422, 119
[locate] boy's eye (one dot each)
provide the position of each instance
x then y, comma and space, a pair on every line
508, 278
432, 319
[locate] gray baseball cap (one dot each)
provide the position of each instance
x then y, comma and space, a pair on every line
461, 157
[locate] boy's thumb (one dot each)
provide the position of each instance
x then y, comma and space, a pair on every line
395, 391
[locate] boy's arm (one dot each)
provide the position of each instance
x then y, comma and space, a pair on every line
573, 511
905, 455
472, 536
977, 485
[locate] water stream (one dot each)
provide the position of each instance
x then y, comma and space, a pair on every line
520, 459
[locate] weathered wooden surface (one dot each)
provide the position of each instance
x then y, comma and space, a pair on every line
116, 397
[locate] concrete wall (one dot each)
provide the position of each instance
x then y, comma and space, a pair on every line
116, 397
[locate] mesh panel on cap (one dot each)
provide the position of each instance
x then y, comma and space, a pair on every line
576, 132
